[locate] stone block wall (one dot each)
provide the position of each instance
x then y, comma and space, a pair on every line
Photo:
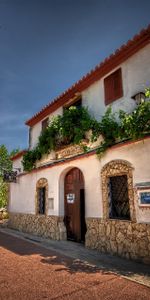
124, 238
47, 226
128, 239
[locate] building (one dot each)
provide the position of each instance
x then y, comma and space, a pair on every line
71, 194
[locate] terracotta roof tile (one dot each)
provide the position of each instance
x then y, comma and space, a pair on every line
19, 154
119, 56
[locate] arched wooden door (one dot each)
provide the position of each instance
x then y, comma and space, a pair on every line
75, 205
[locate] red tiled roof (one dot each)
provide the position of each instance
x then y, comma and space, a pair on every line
119, 56
19, 154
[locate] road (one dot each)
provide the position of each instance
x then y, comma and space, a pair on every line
29, 271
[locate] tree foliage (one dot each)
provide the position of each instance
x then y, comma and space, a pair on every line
5, 162
5, 165
3, 193
13, 152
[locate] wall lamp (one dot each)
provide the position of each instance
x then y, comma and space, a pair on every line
139, 97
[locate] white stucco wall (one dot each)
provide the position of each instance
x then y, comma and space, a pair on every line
36, 129
22, 195
17, 164
135, 76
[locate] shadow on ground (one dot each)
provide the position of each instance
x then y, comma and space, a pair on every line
73, 266
103, 263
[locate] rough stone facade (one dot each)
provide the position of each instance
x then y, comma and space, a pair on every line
128, 239
115, 168
47, 226
124, 238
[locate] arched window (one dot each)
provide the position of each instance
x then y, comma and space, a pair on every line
117, 191
41, 196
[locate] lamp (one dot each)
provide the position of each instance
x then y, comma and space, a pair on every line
139, 97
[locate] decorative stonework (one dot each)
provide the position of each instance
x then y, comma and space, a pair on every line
124, 238
73, 150
69, 151
47, 226
42, 182
117, 168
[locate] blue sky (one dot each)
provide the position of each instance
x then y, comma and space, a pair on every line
47, 45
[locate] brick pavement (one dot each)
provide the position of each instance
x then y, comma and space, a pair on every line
30, 271
134, 271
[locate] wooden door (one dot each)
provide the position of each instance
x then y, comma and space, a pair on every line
74, 205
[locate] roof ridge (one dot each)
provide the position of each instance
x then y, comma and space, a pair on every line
94, 73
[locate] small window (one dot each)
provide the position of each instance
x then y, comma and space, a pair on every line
113, 87
77, 104
30, 137
41, 200
118, 198
45, 123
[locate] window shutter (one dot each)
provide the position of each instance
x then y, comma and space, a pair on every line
113, 87
45, 123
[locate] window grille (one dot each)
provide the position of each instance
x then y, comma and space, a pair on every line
41, 196
118, 198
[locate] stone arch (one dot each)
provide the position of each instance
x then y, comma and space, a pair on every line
117, 168
61, 187
114, 164
41, 183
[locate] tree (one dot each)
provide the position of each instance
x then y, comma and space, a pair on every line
3, 193
14, 151
5, 165
5, 162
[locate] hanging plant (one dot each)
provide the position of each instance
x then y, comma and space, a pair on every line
73, 125
70, 128
137, 124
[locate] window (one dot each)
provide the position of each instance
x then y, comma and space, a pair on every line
30, 137
118, 198
41, 200
76, 103
113, 87
117, 190
41, 197
45, 123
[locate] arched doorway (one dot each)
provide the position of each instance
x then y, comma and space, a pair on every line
75, 205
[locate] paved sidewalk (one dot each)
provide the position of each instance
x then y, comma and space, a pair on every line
134, 271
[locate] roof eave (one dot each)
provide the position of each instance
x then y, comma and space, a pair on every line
120, 55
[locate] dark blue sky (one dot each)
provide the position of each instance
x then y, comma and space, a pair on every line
47, 45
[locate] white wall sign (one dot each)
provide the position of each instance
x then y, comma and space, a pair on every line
70, 198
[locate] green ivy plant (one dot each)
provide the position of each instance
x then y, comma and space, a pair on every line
137, 124
71, 128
